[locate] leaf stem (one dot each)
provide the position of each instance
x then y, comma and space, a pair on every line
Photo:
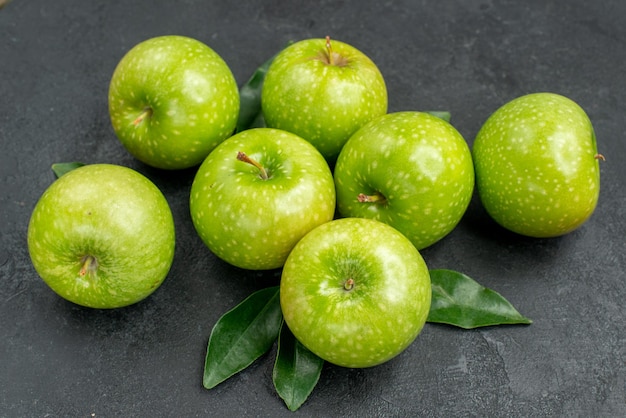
349, 284
242, 156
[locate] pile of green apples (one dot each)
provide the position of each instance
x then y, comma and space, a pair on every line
331, 188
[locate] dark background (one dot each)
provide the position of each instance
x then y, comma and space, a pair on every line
468, 57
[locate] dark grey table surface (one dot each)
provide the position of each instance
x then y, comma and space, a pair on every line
468, 57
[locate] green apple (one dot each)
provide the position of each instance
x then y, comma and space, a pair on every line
355, 292
257, 194
323, 92
536, 161
172, 99
410, 170
102, 236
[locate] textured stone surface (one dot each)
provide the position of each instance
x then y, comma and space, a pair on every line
468, 57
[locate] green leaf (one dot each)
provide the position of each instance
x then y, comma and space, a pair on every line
460, 301
60, 169
250, 112
242, 335
296, 370
441, 114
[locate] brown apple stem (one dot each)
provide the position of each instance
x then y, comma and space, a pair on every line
599, 157
241, 156
349, 284
147, 112
329, 50
89, 265
374, 198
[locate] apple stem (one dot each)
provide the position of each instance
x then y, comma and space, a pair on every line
375, 198
147, 112
89, 265
241, 156
349, 284
599, 157
329, 50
